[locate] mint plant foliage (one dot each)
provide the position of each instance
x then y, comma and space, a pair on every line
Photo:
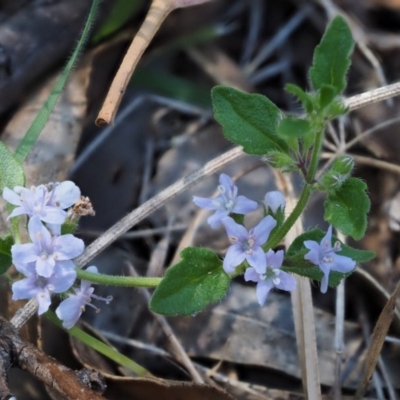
331, 59
191, 284
346, 208
249, 120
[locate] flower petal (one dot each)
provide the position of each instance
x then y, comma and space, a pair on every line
257, 260
45, 267
53, 215
67, 247
234, 257
215, 220
263, 229
274, 260
263, 288
23, 254
251, 275
66, 194
70, 310
38, 233
44, 300
243, 205
24, 289
287, 281
226, 181
325, 278
11, 197
16, 212
236, 233
62, 279
342, 264
205, 202
274, 200
313, 255
326, 241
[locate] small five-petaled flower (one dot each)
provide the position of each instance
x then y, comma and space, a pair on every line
246, 245
271, 276
226, 203
324, 255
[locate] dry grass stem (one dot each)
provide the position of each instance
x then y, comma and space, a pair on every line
302, 305
377, 341
159, 10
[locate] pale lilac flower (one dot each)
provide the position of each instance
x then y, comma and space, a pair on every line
246, 245
46, 251
227, 202
63, 195
40, 287
272, 276
323, 255
47, 202
71, 309
274, 201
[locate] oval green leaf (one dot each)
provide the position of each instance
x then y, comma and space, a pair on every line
191, 284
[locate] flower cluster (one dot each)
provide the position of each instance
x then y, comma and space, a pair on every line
46, 262
263, 268
247, 248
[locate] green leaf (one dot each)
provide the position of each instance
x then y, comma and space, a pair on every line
11, 172
292, 127
343, 164
249, 120
331, 59
306, 99
280, 160
191, 284
30, 138
317, 235
326, 95
5, 253
335, 109
338, 174
346, 209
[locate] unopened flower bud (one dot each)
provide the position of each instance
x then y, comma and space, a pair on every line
274, 201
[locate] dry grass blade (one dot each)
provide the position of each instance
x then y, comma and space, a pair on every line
377, 341
302, 309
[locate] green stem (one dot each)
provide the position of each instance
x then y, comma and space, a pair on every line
113, 280
284, 229
315, 156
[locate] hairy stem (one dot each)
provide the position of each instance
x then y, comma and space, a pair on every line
277, 237
113, 280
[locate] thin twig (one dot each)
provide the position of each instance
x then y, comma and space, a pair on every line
159, 10
177, 348
373, 162
341, 150
339, 332
302, 305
